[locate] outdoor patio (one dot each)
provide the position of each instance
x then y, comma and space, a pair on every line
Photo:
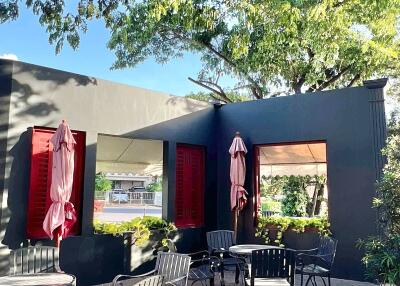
230, 281
287, 170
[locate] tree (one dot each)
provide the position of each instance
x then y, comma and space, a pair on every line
268, 47
102, 184
382, 255
154, 187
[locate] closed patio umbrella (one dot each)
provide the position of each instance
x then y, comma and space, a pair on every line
61, 215
237, 173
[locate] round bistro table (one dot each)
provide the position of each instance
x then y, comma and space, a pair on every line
244, 251
42, 279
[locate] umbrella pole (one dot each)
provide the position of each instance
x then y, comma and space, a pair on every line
235, 221
57, 236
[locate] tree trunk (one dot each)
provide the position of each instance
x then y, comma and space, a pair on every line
319, 201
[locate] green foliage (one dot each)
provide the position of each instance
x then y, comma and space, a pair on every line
387, 200
154, 187
271, 186
141, 228
296, 201
211, 97
271, 205
268, 47
295, 198
102, 184
382, 258
382, 252
268, 225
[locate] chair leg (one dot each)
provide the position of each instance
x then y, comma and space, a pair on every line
221, 274
314, 282
301, 279
237, 274
323, 280
211, 281
329, 279
308, 280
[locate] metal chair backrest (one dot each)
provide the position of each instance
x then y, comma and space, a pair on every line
155, 280
220, 240
171, 246
273, 263
172, 266
34, 259
327, 249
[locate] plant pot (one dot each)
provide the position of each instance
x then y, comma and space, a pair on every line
291, 238
139, 259
303, 240
98, 205
92, 259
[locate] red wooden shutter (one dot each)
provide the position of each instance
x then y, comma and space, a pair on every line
189, 195
40, 180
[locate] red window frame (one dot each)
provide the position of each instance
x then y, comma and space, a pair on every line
190, 182
40, 180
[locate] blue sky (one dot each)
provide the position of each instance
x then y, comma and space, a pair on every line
26, 39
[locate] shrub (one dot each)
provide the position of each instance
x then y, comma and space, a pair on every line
141, 228
102, 184
281, 224
382, 252
295, 198
154, 187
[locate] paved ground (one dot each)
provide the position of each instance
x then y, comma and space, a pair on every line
125, 213
230, 281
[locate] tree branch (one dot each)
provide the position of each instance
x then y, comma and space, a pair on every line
339, 3
355, 78
298, 84
256, 90
334, 78
219, 91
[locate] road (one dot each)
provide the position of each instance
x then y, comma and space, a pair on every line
124, 213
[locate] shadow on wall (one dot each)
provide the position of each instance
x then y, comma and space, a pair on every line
44, 78
16, 182
18, 185
191, 105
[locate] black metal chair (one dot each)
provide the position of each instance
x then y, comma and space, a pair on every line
272, 267
317, 262
218, 243
155, 280
34, 259
203, 265
173, 267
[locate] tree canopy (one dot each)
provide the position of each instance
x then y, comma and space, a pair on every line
268, 47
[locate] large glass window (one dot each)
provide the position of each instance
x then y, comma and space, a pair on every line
292, 179
128, 178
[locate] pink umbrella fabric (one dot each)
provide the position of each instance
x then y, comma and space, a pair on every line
237, 173
61, 214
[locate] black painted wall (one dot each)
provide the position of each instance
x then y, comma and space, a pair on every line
352, 122
5, 91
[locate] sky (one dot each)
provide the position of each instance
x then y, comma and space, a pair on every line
27, 41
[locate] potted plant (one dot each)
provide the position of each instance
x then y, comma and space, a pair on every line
272, 229
142, 238
102, 185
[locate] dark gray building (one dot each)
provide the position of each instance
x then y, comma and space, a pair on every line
351, 121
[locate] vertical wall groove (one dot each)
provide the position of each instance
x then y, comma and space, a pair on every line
378, 122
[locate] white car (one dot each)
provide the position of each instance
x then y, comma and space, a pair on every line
119, 196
